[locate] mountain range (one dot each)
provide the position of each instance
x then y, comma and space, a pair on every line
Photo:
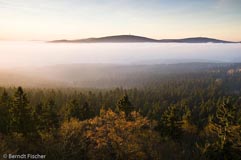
140, 39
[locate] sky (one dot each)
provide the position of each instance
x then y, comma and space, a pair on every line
160, 19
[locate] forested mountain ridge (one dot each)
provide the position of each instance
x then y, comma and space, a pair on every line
139, 39
197, 115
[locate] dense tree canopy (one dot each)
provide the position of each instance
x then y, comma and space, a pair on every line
195, 116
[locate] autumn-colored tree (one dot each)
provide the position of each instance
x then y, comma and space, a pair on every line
110, 136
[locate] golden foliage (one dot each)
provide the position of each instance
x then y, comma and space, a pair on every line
111, 135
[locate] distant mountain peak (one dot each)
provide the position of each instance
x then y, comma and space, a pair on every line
141, 39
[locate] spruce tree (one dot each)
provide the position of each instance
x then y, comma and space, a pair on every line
125, 105
72, 110
171, 122
228, 131
50, 115
21, 119
86, 111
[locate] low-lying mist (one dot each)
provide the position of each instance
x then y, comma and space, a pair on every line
29, 54
99, 75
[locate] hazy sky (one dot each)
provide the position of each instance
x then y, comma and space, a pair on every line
70, 19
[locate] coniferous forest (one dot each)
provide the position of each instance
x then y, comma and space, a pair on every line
193, 115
